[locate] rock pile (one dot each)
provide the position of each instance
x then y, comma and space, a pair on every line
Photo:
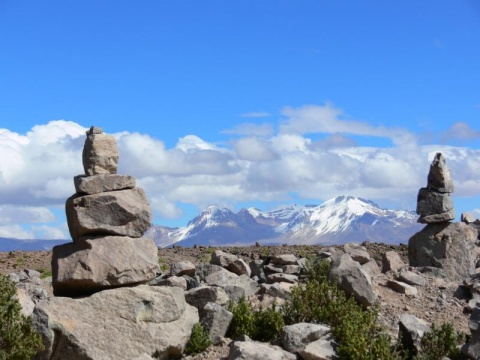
100, 309
441, 243
434, 204
107, 217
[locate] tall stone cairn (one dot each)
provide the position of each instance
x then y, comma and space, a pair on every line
449, 246
107, 217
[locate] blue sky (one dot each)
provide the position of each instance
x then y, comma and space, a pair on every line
245, 103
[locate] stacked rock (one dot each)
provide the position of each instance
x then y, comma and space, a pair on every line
107, 217
441, 244
434, 204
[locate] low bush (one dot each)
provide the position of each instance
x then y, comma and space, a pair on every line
18, 340
319, 301
441, 342
199, 340
260, 325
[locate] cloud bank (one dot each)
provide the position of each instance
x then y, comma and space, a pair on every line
257, 164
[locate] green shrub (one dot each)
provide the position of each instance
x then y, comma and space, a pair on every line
260, 325
199, 340
18, 340
320, 301
242, 321
441, 342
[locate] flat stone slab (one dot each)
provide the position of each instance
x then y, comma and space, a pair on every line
102, 263
102, 183
121, 213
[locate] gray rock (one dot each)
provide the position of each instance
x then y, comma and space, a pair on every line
402, 288
121, 213
235, 286
448, 246
25, 301
181, 268
202, 295
288, 278
321, 349
437, 218
467, 218
271, 268
280, 290
352, 279
239, 267
216, 319
411, 278
291, 269
439, 177
286, 259
222, 258
173, 280
295, 337
204, 270
472, 348
371, 268
357, 253
411, 331
391, 261
97, 264
256, 267
432, 203
121, 323
253, 350
102, 183
100, 153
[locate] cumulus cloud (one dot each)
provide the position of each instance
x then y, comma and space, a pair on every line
36, 168
330, 120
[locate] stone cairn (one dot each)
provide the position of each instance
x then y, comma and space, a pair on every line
442, 247
434, 204
107, 217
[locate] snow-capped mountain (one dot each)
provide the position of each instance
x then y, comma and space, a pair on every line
336, 221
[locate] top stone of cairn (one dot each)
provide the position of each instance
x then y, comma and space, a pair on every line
439, 178
100, 153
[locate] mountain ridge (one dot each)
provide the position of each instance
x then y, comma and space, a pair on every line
335, 221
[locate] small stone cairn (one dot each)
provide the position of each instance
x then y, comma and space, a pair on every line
442, 247
434, 204
107, 217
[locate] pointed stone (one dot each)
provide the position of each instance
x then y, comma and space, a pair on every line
439, 178
100, 153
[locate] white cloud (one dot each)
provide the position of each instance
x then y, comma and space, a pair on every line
327, 119
254, 149
460, 131
15, 231
37, 169
24, 214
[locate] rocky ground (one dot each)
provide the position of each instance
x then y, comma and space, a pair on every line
437, 302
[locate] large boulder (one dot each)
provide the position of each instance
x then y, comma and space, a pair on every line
123, 323
102, 183
448, 246
100, 153
96, 264
351, 277
122, 213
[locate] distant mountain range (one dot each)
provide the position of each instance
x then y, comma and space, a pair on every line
9, 244
336, 221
